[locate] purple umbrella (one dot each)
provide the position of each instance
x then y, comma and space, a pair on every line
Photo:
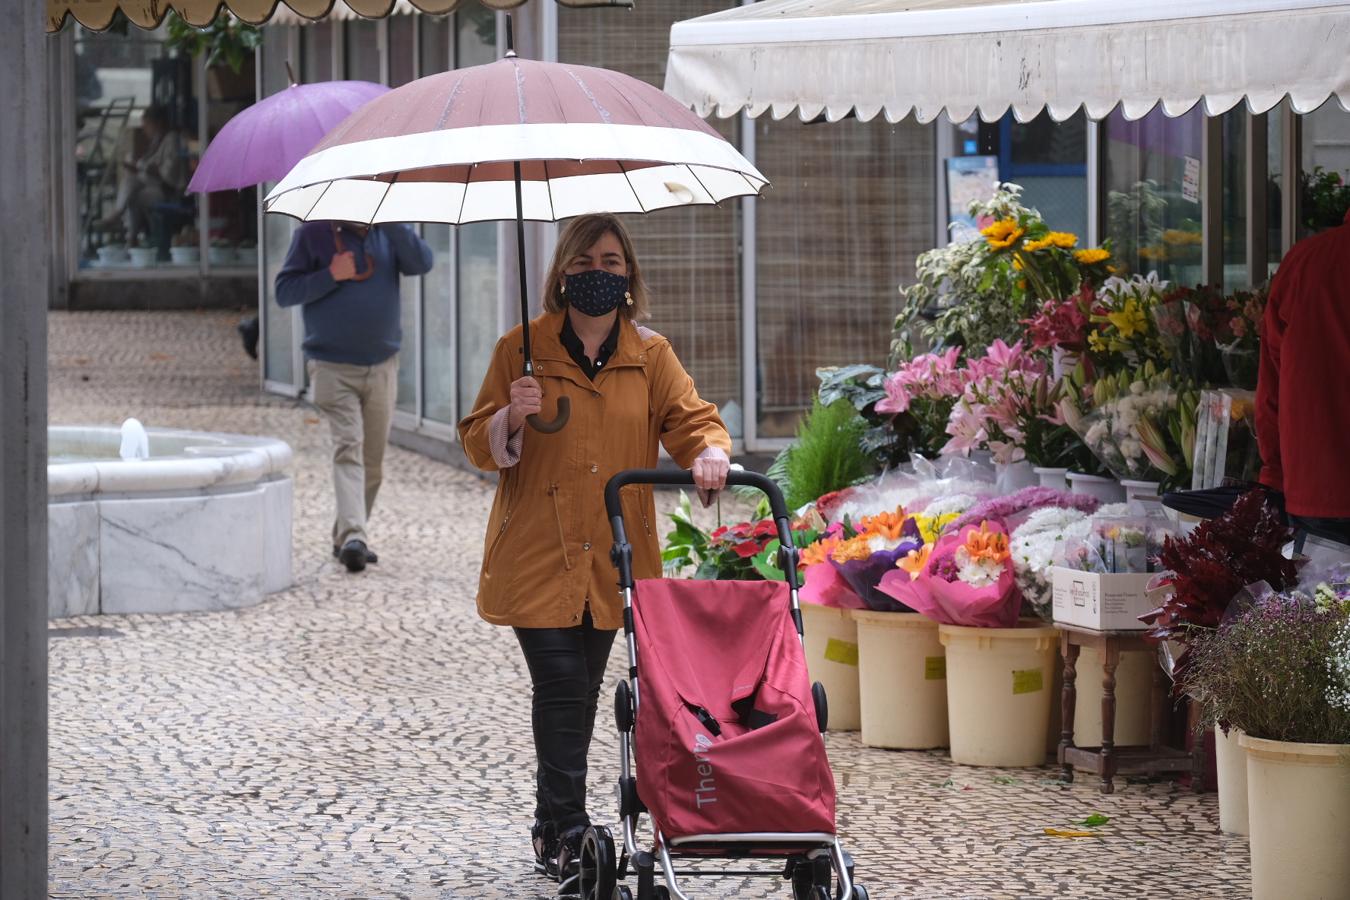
266, 140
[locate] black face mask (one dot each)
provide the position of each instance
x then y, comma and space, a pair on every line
595, 292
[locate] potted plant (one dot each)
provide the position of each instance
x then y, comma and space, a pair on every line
142, 256
114, 252
183, 251
221, 252
1206, 570
228, 44
1279, 670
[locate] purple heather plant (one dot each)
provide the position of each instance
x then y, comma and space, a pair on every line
1271, 670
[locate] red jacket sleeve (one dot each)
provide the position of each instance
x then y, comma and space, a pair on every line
1268, 381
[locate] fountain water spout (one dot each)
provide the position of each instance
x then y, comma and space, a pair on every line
135, 442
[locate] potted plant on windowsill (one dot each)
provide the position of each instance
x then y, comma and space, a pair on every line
1279, 670
221, 252
142, 256
184, 250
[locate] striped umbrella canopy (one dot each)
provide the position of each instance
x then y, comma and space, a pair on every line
445, 148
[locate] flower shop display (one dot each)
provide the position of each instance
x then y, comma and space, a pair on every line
1101, 578
1275, 669
999, 682
902, 681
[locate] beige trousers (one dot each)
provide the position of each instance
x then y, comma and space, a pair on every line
358, 402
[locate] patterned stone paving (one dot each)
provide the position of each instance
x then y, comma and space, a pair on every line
368, 737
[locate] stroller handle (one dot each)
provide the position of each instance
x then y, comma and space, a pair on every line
680, 477
621, 555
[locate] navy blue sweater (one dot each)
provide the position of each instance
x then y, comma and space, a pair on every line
354, 322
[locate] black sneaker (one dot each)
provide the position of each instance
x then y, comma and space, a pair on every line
569, 862
371, 557
353, 555
544, 839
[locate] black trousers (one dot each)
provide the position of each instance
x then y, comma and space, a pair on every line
567, 667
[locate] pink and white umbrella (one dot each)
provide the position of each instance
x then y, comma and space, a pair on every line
442, 149
515, 139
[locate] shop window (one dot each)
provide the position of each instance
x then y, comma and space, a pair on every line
690, 257
1047, 158
361, 50
1152, 186
1324, 171
1234, 163
136, 115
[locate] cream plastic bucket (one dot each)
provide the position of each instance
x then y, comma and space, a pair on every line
1298, 798
903, 674
998, 693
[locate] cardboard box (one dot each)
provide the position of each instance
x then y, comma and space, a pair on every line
1101, 602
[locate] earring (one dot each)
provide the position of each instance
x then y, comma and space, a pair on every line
629, 297
563, 290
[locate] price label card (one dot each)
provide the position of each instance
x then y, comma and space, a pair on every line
1028, 681
841, 652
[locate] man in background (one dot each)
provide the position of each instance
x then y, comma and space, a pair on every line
345, 278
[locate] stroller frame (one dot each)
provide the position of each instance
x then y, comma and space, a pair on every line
809, 855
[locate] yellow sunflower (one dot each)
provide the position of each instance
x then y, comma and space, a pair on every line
1003, 233
1092, 256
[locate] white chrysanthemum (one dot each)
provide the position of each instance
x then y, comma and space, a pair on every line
952, 503
1048, 518
1338, 663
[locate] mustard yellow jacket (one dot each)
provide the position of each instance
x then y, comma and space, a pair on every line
546, 554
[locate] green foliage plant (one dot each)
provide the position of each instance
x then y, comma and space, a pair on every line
828, 453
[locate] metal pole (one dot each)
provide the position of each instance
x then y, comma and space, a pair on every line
24, 291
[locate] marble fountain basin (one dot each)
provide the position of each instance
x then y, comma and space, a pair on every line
203, 523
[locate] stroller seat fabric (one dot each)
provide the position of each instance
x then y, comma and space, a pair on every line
726, 740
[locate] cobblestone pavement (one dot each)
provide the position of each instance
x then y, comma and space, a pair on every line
368, 736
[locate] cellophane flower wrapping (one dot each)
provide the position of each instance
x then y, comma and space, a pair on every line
826, 587
862, 573
967, 579
1034, 544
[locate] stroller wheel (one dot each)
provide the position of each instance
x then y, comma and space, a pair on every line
860, 892
596, 878
623, 893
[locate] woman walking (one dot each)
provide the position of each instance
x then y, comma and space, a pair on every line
546, 570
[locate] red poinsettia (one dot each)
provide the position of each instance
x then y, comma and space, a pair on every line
746, 539
1211, 565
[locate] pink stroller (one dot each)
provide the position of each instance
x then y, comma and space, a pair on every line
730, 763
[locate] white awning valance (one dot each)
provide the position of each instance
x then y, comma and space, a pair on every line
897, 57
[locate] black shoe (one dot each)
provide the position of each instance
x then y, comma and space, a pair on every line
248, 332
371, 557
544, 839
353, 555
569, 862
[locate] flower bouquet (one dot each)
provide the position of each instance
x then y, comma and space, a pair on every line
1239, 348
966, 578
1140, 424
1012, 510
860, 556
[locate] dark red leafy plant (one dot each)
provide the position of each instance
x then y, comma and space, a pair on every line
1216, 561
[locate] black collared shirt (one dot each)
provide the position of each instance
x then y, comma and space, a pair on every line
577, 350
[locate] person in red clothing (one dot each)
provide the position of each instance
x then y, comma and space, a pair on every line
1303, 394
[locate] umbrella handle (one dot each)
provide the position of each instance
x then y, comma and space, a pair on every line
538, 423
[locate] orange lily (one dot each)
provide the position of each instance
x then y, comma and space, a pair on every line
915, 560
986, 544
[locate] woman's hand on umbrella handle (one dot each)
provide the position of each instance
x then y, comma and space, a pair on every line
527, 399
710, 472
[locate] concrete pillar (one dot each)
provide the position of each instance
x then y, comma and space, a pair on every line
24, 288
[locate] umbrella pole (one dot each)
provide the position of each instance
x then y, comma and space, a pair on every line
537, 422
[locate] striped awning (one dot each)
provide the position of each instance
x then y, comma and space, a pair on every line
923, 57
97, 15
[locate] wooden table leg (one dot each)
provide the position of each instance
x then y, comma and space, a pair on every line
1068, 697
1110, 659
